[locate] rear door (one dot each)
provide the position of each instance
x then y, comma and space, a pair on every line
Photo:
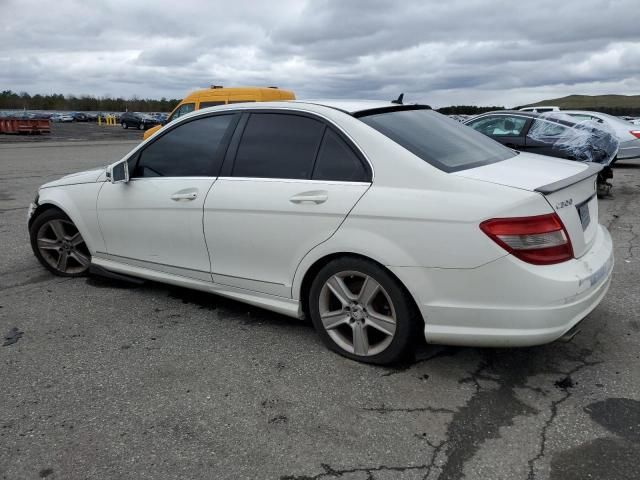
543, 139
288, 182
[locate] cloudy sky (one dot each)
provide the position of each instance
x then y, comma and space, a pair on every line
439, 52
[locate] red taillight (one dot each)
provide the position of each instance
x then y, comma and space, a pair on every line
541, 240
635, 133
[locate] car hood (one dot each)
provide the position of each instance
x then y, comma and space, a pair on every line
88, 176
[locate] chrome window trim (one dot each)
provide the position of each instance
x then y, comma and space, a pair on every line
294, 180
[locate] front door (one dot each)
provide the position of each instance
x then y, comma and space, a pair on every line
506, 129
155, 220
293, 182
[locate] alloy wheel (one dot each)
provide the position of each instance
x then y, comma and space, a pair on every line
62, 247
357, 313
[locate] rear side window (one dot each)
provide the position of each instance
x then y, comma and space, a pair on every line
189, 150
278, 146
211, 104
543, 128
337, 161
438, 140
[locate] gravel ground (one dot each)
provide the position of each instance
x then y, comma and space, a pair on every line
106, 380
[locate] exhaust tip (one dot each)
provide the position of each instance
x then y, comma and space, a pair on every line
569, 335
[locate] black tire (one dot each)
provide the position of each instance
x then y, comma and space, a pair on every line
408, 321
124, 125
75, 268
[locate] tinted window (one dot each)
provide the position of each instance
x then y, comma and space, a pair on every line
210, 104
500, 126
337, 161
190, 150
241, 101
183, 110
438, 140
278, 146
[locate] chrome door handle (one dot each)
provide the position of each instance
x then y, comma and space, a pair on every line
184, 196
316, 197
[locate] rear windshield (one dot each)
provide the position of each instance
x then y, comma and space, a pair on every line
444, 143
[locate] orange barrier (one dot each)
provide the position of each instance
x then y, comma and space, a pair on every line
13, 125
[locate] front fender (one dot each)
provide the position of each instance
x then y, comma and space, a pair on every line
78, 202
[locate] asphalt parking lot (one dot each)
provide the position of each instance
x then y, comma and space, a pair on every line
110, 380
76, 132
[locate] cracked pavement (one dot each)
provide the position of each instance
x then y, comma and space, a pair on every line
111, 380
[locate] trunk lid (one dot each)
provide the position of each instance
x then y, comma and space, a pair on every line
569, 187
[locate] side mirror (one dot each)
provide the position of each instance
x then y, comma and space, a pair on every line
118, 172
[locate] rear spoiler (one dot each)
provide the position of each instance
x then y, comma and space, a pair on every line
591, 170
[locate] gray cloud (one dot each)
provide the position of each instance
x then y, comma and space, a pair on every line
473, 51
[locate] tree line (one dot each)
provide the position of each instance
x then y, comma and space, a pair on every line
10, 100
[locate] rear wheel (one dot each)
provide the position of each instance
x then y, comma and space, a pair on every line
58, 245
362, 312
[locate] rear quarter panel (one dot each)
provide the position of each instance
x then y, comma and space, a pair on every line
434, 228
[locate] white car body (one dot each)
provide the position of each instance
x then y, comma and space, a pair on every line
246, 239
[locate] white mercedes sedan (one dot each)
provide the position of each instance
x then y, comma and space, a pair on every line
376, 220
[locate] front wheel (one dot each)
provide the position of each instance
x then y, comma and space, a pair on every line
58, 245
124, 125
362, 312
141, 126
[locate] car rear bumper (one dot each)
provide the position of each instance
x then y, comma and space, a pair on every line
507, 302
629, 150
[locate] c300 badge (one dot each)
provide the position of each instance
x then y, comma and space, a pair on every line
564, 203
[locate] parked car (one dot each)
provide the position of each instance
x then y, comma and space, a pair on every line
376, 220
219, 95
138, 120
547, 134
628, 135
80, 117
61, 117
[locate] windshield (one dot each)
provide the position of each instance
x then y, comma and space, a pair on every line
444, 143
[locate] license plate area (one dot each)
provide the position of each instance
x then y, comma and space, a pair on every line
583, 213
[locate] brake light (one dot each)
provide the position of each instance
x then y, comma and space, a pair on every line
540, 240
635, 133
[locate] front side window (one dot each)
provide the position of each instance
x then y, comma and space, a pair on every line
189, 150
444, 143
183, 110
337, 161
276, 145
500, 126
